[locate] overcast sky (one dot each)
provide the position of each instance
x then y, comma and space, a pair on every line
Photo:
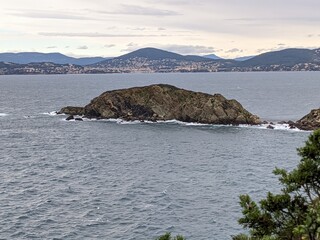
227, 28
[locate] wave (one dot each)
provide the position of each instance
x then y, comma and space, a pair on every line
3, 114
276, 126
265, 126
121, 121
53, 113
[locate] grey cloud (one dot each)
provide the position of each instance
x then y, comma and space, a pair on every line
233, 50
132, 44
189, 49
240, 19
131, 47
84, 47
106, 35
50, 15
161, 29
259, 20
52, 47
177, 2
139, 29
263, 50
138, 10
313, 35
109, 45
278, 48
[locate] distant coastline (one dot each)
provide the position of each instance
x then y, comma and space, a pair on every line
152, 60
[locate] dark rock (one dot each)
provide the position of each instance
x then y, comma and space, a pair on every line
310, 121
290, 122
165, 102
265, 122
283, 122
72, 110
78, 119
270, 127
71, 117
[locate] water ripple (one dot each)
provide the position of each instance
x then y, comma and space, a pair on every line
103, 180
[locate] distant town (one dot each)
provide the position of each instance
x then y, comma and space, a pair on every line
152, 60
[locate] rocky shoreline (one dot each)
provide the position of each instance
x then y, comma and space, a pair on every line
310, 121
163, 102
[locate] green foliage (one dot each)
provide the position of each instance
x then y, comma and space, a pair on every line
295, 212
245, 237
167, 236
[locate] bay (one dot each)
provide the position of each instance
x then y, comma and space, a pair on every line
118, 180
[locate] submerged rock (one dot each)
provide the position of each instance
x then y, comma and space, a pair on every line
270, 126
165, 102
310, 121
71, 117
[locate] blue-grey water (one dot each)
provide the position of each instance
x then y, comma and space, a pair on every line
105, 180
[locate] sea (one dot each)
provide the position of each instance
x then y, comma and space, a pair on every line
112, 179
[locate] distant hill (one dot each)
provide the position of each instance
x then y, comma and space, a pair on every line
154, 54
215, 57
58, 58
212, 56
287, 57
157, 60
151, 54
150, 60
240, 59
39, 68
154, 60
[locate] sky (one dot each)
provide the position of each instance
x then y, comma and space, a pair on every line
109, 28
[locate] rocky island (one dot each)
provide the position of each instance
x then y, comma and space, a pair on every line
164, 102
310, 121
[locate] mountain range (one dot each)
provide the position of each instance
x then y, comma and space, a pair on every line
58, 58
36, 57
157, 60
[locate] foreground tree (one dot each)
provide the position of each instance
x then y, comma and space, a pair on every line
167, 236
295, 212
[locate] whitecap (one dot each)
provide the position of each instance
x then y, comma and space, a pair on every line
3, 114
121, 121
277, 126
53, 113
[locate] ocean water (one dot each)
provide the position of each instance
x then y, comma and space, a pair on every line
130, 180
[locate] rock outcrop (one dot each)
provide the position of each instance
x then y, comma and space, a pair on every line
72, 110
165, 102
309, 122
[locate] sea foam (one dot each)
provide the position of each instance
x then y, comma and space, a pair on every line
267, 126
53, 113
276, 126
